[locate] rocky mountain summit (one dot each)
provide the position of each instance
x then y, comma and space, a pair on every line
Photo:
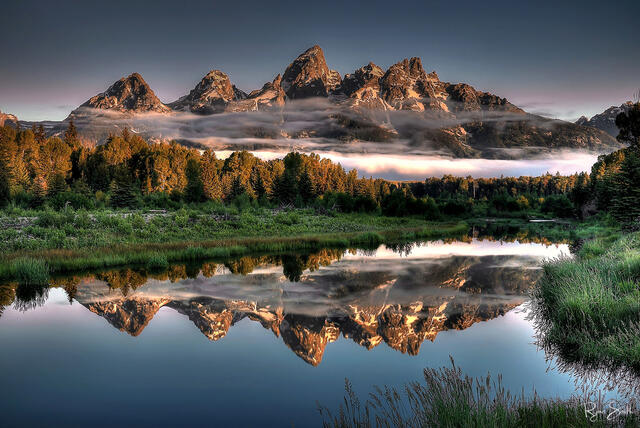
211, 95
130, 94
388, 308
606, 121
308, 76
6, 118
312, 102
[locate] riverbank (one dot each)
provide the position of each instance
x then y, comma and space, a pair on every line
47, 243
449, 398
589, 306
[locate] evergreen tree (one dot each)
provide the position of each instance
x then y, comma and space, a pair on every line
71, 135
57, 185
5, 191
285, 189
210, 176
194, 191
39, 135
122, 190
625, 201
306, 186
629, 125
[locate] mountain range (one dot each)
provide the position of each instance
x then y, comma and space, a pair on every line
606, 121
369, 307
309, 102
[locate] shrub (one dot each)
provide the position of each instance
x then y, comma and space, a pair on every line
288, 218
72, 199
558, 205
156, 262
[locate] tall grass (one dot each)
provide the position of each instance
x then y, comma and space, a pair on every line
588, 308
155, 255
29, 271
447, 398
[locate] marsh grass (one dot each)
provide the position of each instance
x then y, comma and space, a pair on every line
157, 262
30, 271
179, 248
448, 398
588, 308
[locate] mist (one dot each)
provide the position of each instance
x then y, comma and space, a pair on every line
411, 145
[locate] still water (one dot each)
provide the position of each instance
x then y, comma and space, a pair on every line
261, 341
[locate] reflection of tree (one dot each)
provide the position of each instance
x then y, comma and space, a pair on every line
243, 266
30, 297
124, 279
7, 296
69, 284
209, 269
292, 267
177, 272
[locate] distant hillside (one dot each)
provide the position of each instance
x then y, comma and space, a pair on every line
606, 121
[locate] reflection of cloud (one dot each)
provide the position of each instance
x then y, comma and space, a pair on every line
478, 248
413, 275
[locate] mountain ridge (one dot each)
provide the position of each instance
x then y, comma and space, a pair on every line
606, 121
310, 101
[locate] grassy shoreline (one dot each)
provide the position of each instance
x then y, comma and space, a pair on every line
588, 307
125, 240
449, 398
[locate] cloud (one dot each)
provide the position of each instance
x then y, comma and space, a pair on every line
403, 145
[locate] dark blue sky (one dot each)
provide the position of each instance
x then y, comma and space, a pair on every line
560, 59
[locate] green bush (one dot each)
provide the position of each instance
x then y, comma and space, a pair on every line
558, 205
157, 262
287, 218
71, 199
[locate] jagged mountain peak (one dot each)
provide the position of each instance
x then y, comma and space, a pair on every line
7, 118
211, 95
606, 121
364, 82
309, 76
129, 94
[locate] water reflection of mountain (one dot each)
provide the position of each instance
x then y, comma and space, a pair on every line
399, 296
401, 301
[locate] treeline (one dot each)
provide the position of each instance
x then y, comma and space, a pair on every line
615, 178
127, 171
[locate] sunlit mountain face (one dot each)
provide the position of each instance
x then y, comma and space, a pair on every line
396, 296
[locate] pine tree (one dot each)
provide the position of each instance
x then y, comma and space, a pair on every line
5, 192
122, 190
71, 135
57, 185
210, 176
285, 189
194, 190
306, 187
625, 200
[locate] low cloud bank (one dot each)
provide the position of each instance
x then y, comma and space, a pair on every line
412, 149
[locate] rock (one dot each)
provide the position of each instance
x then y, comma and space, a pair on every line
365, 78
8, 119
271, 96
128, 95
606, 121
463, 97
211, 95
406, 86
308, 76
